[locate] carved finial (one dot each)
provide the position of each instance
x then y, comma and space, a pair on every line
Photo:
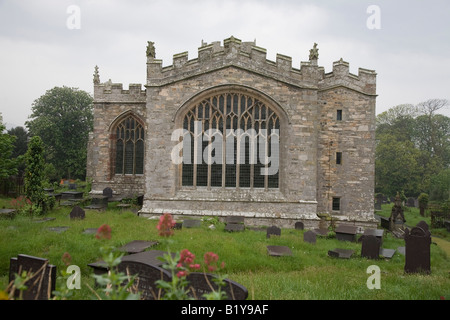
96, 76
314, 53
151, 49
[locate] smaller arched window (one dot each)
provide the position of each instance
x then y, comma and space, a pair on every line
129, 146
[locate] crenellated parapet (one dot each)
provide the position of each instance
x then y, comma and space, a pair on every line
248, 56
114, 92
364, 82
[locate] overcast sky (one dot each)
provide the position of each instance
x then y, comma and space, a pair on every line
45, 43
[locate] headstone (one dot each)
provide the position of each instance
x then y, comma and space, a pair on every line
148, 257
340, 253
417, 250
377, 205
72, 186
370, 247
234, 219
191, 223
346, 232
108, 192
137, 246
310, 237
77, 213
385, 223
146, 276
41, 286
201, 283
178, 225
299, 225
278, 251
410, 202
273, 231
372, 232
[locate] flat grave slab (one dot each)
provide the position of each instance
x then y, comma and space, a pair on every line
58, 229
340, 253
7, 213
90, 230
320, 232
192, 223
387, 253
148, 257
71, 195
43, 219
278, 251
137, 246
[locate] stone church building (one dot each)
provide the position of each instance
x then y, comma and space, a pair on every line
231, 133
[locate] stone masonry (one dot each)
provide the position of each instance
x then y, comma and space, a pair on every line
326, 142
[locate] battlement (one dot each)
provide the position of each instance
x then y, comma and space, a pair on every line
248, 56
114, 92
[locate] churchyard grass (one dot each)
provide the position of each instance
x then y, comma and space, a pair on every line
308, 274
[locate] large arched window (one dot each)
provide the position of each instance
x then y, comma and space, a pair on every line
129, 146
230, 140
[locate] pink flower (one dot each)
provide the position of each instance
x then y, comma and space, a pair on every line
165, 225
104, 232
181, 274
211, 259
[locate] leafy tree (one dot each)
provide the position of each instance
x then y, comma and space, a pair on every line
8, 165
20, 147
34, 173
63, 118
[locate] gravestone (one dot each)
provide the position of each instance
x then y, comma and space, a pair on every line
341, 253
137, 246
346, 232
234, 224
201, 283
146, 276
410, 202
152, 257
98, 202
71, 195
191, 223
42, 284
108, 192
273, 231
299, 225
320, 232
178, 225
278, 251
377, 205
77, 213
417, 249
310, 237
372, 232
370, 247
7, 213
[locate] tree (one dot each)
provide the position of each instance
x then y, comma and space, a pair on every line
20, 147
63, 118
34, 172
8, 165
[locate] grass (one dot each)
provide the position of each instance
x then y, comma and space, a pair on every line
308, 274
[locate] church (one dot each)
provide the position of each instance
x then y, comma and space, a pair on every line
231, 133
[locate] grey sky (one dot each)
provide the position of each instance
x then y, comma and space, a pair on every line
410, 52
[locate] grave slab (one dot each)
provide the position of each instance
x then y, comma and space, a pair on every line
387, 253
192, 223
201, 283
234, 227
58, 229
346, 232
341, 253
278, 251
137, 246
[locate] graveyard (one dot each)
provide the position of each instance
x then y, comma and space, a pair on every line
270, 263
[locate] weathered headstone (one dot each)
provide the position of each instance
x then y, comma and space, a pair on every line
310, 237
341, 253
108, 192
417, 249
77, 213
42, 283
234, 227
410, 202
278, 251
372, 232
201, 283
370, 247
273, 231
146, 276
299, 225
137, 246
346, 232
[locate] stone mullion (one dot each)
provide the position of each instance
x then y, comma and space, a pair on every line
194, 166
238, 146
250, 151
